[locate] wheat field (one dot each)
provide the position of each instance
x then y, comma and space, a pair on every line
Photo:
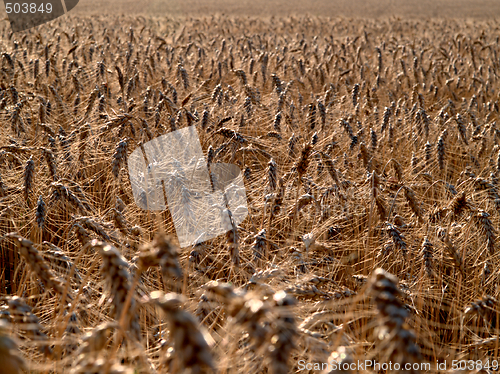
371, 158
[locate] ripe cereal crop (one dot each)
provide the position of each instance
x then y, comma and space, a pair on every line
370, 153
